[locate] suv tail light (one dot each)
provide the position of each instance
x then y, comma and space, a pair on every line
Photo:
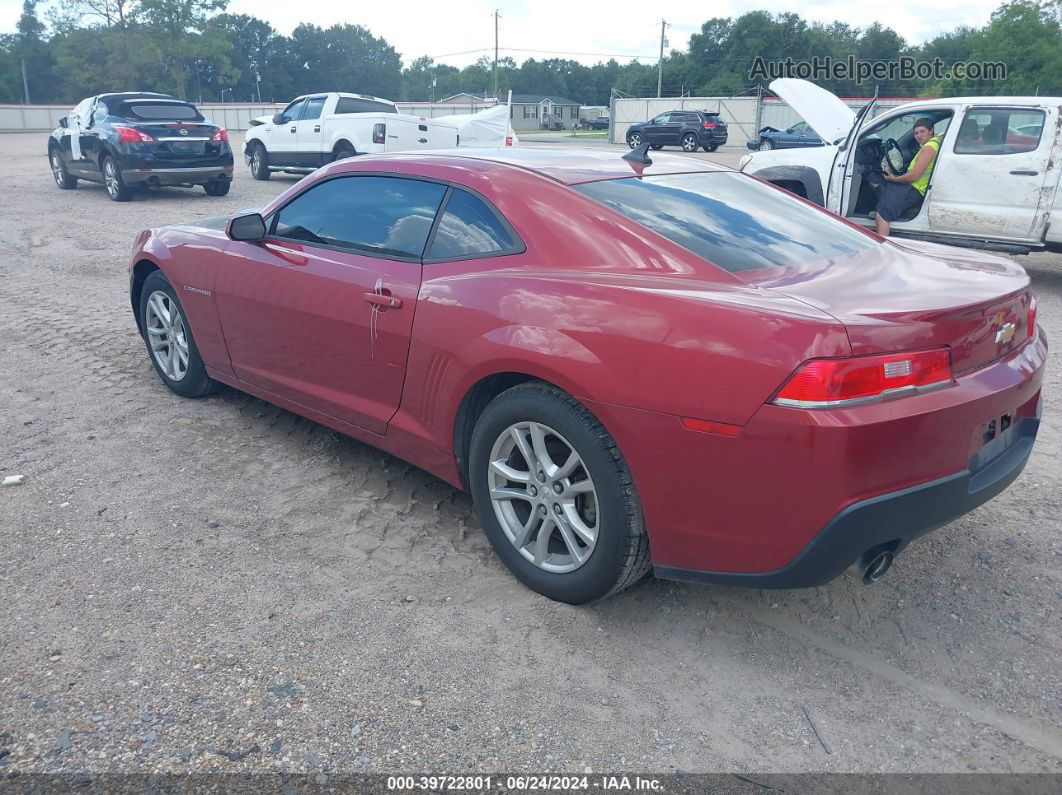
131, 135
709, 125
837, 383
379, 132
1031, 322
220, 134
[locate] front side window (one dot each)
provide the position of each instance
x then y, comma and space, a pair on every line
798, 128
291, 112
662, 118
729, 219
313, 108
100, 113
999, 131
468, 228
382, 216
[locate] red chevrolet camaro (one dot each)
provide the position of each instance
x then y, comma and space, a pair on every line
629, 365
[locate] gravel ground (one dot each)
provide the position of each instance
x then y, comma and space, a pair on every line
220, 585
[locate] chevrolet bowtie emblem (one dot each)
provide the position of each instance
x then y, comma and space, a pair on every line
1005, 333
184, 132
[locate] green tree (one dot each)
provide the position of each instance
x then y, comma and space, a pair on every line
184, 46
34, 56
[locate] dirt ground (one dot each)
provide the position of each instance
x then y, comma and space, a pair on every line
221, 585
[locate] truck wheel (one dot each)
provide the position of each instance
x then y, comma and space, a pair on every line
343, 152
259, 162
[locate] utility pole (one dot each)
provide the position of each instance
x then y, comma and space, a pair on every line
25, 82
660, 67
496, 55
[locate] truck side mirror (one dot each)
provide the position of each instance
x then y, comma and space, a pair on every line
278, 118
250, 227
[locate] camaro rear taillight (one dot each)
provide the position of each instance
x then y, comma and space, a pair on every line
220, 134
131, 135
379, 132
837, 383
1032, 317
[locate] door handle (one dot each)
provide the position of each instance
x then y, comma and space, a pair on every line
292, 129
383, 300
317, 128
1024, 173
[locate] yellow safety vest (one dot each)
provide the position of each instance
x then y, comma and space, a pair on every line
922, 182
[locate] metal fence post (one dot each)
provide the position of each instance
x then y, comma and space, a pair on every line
759, 107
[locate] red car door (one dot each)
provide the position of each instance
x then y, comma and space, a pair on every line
320, 312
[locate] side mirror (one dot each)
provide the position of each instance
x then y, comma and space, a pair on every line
62, 122
250, 227
278, 118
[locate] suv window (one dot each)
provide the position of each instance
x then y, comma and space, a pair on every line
732, 221
663, 118
291, 112
468, 228
158, 111
382, 216
999, 131
313, 108
352, 105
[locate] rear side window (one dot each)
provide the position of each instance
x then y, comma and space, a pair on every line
468, 228
381, 216
313, 108
158, 111
999, 131
730, 219
354, 105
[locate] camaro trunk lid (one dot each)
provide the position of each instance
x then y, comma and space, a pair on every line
916, 296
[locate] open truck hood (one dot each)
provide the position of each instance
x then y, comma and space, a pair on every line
826, 114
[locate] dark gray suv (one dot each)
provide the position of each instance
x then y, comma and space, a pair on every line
689, 129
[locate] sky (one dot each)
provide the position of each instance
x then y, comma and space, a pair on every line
577, 29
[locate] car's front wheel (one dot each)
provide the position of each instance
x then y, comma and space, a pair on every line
112, 178
259, 162
169, 339
689, 142
218, 187
766, 145
60, 173
634, 140
556, 497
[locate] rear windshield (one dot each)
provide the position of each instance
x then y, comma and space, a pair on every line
352, 105
730, 219
154, 111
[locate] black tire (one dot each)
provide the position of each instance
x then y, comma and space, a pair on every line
766, 145
59, 171
342, 152
656, 147
634, 140
218, 187
689, 142
112, 179
620, 556
711, 147
260, 162
194, 382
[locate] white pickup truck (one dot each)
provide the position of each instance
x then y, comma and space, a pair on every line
995, 184
318, 128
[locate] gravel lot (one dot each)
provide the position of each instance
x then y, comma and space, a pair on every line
219, 585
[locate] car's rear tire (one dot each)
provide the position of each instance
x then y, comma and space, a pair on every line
343, 152
60, 173
711, 147
634, 140
169, 340
689, 142
112, 179
218, 187
260, 162
656, 147
540, 462
766, 145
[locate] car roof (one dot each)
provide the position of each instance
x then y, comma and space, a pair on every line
1035, 102
570, 165
127, 95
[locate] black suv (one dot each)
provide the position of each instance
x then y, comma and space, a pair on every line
686, 128
139, 140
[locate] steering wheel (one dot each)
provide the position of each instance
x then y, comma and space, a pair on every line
893, 157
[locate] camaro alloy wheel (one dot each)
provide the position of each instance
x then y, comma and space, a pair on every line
543, 497
166, 335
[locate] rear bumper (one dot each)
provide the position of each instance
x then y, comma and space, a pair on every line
176, 176
895, 518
